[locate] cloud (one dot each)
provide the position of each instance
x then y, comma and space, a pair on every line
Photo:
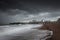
55, 13
14, 12
12, 16
30, 17
17, 15
44, 15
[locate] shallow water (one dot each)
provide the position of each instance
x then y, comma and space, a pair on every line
23, 32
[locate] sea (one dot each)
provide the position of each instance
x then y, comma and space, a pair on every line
24, 32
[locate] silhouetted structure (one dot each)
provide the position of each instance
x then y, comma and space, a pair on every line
58, 20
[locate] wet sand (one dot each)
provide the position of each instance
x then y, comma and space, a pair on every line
55, 27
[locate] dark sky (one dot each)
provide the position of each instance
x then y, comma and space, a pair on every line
25, 10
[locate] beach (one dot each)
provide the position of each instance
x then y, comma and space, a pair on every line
23, 32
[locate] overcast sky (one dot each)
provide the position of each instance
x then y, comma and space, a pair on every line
26, 10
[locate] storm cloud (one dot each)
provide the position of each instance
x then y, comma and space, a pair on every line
27, 10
